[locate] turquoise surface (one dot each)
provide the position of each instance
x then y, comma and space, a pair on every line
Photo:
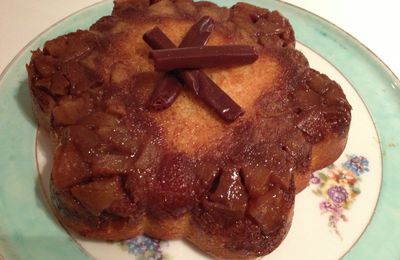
28, 230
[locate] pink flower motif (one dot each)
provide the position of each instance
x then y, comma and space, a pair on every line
327, 206
338, 194
315, 180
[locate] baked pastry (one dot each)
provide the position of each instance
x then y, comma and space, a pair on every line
121, 169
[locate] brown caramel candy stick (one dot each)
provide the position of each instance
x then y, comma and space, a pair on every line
215, 97
211, 94
199, 33
197, 36
166, 93
156, 39
203, 57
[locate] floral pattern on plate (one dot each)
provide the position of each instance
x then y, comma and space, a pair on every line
144, 248
339, 187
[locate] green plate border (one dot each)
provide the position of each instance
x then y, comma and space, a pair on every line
28, 230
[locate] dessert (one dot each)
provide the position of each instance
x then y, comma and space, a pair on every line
127, 163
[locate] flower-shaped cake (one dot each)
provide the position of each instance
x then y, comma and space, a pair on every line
122, 169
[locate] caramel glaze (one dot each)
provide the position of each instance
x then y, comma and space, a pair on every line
119, 167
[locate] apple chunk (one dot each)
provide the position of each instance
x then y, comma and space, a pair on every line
112, 164
70, 110
68, 168
98, 195
229, 200
269, 210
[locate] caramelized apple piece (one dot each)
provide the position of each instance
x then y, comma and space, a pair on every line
230, 189
121, 138
116, 106
137, 186
205, 8
256, 179
119, 73
79, 45
276, 18
112, 164
45, 101
43, 83
98, 195
281, 179
224, 212
268, 210
86, 140
70, 110
334, 95
59, 84
123, 207
275, 31
296, 145
149, 157
163, 8
45, 65
76, 45
99, 119
68, 205
56, 47
172, 188
271, 29
206, 173
306, 98
318, 82
144, 85
230, 198
68, 169
80, 78
312, 125
186, 7
317, 124
337, 119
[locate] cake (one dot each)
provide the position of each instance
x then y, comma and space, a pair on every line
122, 168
